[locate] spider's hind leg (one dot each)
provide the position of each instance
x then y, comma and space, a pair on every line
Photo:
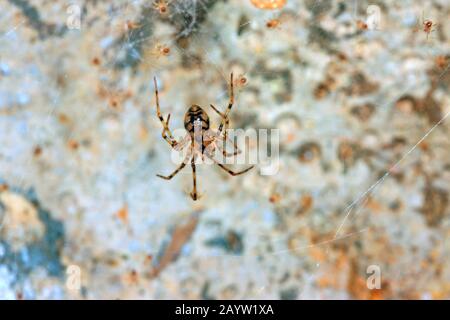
234, 173
173, 174
194, 195
231, 172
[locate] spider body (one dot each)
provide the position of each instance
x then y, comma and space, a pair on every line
200, 139
428, 26
196, 116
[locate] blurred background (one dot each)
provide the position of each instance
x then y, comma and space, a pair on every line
359, 208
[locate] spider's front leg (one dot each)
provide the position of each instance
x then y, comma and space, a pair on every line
225, 119
166, 133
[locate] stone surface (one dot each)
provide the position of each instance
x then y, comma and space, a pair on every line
364, 150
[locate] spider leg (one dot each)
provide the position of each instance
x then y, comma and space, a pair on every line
225, 123
166, 134
229, 154
220, 142
231, 172
194, 180
225, 120
182, 144
173, 174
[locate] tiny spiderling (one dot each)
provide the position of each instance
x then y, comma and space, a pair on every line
162, 6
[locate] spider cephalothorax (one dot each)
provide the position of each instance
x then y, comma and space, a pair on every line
200, 139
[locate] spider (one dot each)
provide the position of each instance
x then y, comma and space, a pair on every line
202, 141
240, 82
161, 6
162, 50
428, 26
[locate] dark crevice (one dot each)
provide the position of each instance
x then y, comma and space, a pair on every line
34, 19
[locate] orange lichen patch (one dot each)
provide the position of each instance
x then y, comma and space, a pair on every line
342, 261
321, 91
180, 235
345, 151
441, 62
436, 201
275, 197
73, 144
113, 103
325, 87
290, 137
4, 187
148, 259
143, 133
37, 151
376, 294
273, 23
435, 254
429, 107
306, 203
356, 284
268, 4
131, 277
424, 264
440, 294
333, 275
361, 25
130, 25
115, 98
424, 146
373, 205
348, 152
318, 254
327, 281
62, 118
122, 214
96, 61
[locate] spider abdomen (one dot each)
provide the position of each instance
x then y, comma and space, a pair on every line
196, 114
